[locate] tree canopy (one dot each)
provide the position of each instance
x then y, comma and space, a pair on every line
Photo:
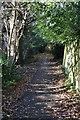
57, 22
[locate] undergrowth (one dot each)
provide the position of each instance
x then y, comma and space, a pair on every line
9, 75
68, 82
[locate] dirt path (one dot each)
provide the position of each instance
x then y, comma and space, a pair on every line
40, 97
43, 95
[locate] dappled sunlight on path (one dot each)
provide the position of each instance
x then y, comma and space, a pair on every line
41, 92
39, 100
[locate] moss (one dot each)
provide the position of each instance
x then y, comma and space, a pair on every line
72, 51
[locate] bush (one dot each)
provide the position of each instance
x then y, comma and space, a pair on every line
9, 76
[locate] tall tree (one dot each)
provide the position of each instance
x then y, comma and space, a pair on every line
14, 19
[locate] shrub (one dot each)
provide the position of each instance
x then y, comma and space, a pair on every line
9, 76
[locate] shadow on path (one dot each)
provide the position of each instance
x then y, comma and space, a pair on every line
39, 100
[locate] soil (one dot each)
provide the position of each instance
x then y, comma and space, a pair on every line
41, 92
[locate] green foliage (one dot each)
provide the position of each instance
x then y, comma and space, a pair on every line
68, 83
32, 44
65, 71
57, 22
9, 76
53, 23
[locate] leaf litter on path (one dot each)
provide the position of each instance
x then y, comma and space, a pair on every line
67, 106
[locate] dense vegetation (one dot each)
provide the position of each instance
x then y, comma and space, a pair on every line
58, 22
29, 27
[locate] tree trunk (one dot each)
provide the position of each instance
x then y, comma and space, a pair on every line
20, 60
13, 36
